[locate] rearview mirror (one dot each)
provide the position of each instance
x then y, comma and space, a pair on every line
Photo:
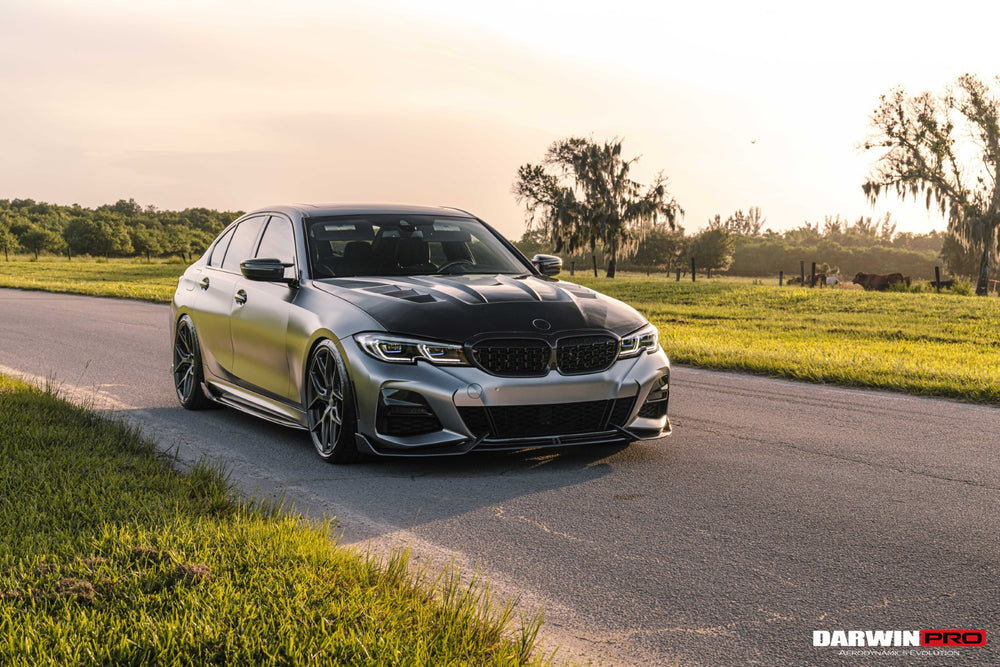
269, 270
548, 265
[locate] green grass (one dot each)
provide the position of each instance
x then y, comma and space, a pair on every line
922, 343
124, 278
110, 556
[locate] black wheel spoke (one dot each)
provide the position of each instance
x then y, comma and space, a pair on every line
321, 366
324, 437
187, 380
317, 385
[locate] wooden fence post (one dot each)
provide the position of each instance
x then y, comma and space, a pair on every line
781, 278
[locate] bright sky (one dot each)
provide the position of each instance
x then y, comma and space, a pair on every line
240, 104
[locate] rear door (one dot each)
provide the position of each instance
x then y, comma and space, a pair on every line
218, 285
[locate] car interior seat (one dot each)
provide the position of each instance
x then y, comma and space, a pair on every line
359, 259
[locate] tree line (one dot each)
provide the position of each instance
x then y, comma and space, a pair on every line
581, 203
734, 247
122, 229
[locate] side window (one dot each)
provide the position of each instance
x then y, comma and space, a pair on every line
219, 249
241, 247
278, 242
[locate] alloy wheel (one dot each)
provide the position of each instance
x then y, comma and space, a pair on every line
328, 406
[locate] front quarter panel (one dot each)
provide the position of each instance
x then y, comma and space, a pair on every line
318, 316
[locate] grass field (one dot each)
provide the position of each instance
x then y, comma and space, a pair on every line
109, 556
124, 278
923, 343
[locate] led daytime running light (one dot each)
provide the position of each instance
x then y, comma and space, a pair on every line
399, 350
646, 339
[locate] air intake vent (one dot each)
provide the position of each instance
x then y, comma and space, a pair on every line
654, 409
531, 421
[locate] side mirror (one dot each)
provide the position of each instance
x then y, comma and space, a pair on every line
268, 270
548, 265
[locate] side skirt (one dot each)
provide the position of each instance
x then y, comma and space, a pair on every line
256, 405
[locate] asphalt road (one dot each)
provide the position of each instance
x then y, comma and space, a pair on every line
776, 509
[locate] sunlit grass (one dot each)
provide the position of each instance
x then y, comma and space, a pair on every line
923, 343
109, 556
123, 278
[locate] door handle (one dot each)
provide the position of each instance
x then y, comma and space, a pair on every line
204, 283
241, 297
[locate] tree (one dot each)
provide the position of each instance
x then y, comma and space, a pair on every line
582, 196
127, 209
661, 249
947, 149
743, 224
8, 242
146, 241
712, 249
104, 234
179, 241
38, 238
959, 258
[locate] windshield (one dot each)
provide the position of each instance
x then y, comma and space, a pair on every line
402, 245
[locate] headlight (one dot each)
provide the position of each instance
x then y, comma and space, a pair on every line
646, 338
401, 350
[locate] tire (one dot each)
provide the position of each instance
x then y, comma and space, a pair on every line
187, 367
330, 406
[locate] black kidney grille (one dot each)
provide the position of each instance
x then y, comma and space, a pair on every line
516, 357
586, 354
513, 357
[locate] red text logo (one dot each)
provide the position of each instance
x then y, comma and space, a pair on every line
952, 637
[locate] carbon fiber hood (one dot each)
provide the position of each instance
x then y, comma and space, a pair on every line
457, 308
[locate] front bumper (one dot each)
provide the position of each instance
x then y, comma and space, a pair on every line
478, 411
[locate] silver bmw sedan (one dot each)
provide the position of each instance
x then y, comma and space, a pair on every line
409, 331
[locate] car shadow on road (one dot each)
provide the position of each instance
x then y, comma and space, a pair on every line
274, 461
